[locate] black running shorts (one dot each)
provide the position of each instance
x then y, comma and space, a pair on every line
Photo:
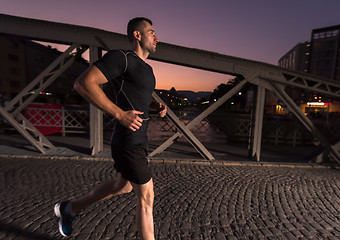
131, 162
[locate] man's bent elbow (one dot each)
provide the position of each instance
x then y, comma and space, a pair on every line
76, 85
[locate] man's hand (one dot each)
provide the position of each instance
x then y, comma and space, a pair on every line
130, 120
161, 108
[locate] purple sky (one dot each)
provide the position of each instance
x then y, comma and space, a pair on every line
261, 30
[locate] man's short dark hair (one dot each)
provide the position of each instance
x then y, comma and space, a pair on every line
136, 24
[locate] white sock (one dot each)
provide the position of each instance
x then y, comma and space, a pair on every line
69, 210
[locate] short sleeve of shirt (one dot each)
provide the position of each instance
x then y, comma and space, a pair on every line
112, 64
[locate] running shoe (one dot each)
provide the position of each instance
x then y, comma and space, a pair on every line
65, 220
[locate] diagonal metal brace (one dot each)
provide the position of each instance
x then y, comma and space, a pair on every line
185, 131
199, 118
305, 120
26, 129
42, 81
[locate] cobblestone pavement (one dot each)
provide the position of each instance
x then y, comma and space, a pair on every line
193, 201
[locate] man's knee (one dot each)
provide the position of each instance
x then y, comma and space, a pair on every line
122, 184
146, 197
146, 202
127, 188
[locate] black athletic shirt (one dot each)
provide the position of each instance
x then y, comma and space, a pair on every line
133, 82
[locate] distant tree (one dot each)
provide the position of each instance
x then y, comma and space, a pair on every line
220, 91
173, 91
223, 88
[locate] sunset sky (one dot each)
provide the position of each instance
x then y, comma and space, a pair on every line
262, 30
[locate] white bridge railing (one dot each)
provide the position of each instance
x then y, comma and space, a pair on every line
220, 127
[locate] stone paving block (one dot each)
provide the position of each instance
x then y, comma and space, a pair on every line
247, 232
297, 233
289, 235
307, 234
220, 236
297, 225
269, 223
186, 225
258, 234
289, 226
253, 226
266, 232
275, 231
309, 227
231, 237
334, 237
316, 225
325, 225
164, 228
325, 233
224, 223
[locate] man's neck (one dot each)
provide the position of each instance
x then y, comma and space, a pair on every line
140, 53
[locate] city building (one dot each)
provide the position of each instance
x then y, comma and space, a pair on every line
297, 58
325, 52
172, 98
13, 67
321, 57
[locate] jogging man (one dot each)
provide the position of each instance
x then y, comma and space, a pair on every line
133, 82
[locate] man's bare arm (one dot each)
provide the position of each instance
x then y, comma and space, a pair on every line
87, 85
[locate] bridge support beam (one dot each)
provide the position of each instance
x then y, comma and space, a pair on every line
257, 128
96, 116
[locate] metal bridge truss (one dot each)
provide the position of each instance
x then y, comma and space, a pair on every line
12, 111
265, 76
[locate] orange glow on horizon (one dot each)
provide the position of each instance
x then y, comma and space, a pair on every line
185, 78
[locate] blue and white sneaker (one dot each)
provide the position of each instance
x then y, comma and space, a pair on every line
65, 220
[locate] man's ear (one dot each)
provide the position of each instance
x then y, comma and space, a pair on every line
137, 35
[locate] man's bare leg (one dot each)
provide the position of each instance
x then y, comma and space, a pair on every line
144, 209
101, 192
